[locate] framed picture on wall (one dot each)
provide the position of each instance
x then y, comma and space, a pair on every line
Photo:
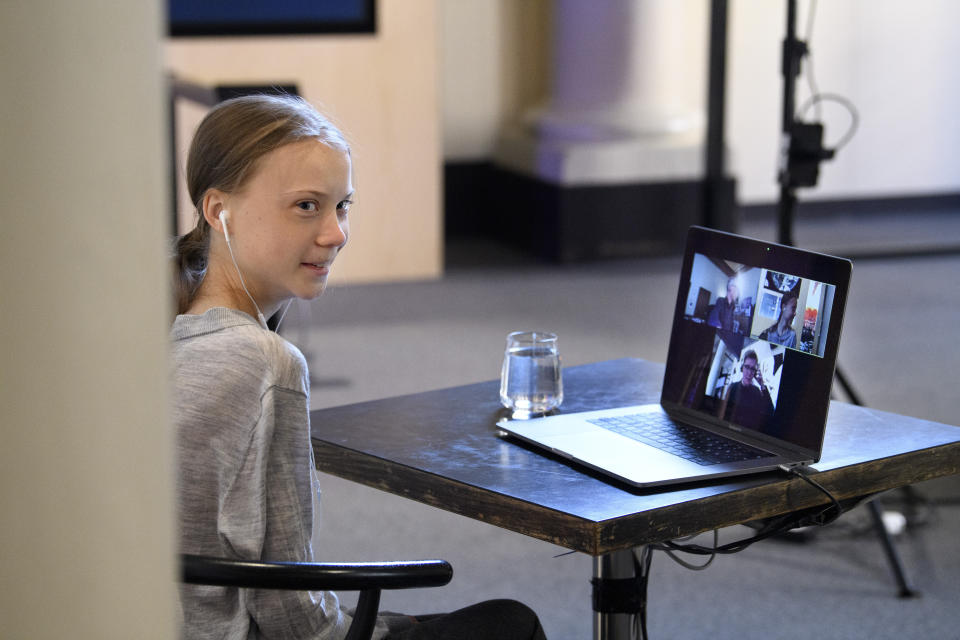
270, 17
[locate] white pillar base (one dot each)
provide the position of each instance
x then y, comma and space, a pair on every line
602, 162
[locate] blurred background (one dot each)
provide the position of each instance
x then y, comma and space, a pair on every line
506, 117
518, 163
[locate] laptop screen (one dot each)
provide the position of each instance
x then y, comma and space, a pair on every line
755, 336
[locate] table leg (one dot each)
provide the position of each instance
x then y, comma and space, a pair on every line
617, 565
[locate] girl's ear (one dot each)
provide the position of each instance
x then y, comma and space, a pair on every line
213, 202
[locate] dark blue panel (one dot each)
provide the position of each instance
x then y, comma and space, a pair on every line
258, 17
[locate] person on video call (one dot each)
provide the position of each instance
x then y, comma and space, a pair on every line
723, 311
748, 401
781, 332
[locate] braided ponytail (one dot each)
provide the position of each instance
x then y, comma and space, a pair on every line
190, 264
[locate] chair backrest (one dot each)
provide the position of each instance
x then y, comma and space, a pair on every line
369, 578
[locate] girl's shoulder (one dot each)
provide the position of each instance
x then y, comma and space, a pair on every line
236, 344
285, 360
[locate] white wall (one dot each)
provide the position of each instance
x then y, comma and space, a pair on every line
493, 66
471, 87
894, 61
86, 544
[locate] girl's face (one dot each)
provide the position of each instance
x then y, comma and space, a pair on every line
289, 221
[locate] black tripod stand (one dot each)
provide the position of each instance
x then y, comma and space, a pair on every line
801, 153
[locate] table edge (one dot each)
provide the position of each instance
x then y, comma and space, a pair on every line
656, 525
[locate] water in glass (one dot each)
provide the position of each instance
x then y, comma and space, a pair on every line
531, 382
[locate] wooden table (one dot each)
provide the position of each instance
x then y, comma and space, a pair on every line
442, 448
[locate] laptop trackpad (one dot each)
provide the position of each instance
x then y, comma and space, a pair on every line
620, 456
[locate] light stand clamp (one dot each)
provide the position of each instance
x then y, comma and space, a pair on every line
801, 147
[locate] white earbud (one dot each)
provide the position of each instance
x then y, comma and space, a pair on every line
223, 220
226, 235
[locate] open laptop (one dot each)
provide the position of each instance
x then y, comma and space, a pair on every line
735, 373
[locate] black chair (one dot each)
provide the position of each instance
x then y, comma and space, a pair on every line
369, 578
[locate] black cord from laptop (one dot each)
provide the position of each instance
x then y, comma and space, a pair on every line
772, 527
822, 518
643, 556
695, 567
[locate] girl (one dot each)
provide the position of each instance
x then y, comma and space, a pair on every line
272, 183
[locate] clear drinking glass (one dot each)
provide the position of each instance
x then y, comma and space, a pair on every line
531, 383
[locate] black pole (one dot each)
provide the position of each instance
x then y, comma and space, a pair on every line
718, 204
793, 52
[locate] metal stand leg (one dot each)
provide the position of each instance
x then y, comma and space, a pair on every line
893, 556
616, 565
793, 51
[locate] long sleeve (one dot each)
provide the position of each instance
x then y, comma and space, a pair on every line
241, 412
267, 514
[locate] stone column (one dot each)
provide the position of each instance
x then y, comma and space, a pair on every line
619, 111
87, 473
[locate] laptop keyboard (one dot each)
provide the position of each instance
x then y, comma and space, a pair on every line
695, 445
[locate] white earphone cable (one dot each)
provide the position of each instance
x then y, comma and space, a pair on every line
284, 314
226, 236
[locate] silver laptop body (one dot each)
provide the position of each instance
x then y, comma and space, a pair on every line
733, 369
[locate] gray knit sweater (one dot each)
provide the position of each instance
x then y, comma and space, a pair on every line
245, 474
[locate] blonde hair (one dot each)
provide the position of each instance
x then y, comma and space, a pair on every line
224, 153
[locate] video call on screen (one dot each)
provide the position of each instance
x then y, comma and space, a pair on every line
752, 339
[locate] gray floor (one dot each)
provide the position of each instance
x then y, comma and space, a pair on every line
899, 348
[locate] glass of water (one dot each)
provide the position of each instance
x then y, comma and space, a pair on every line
530, 381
